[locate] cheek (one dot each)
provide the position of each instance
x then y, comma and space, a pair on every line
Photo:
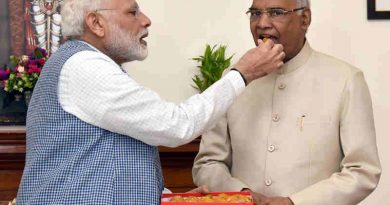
254, 33
132, 29
252, 26
131, 26
286, 34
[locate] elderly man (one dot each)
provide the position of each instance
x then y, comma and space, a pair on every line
303, 135
92, 131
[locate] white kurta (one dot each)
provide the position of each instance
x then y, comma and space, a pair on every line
306, 132
94, 88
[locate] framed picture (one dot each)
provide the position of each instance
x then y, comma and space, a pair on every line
24, 25
12, 26
378, 9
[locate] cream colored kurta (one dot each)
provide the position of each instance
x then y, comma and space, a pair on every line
306, 132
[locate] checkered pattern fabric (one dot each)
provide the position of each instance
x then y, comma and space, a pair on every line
71, 162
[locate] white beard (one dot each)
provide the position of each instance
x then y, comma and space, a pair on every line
124, 45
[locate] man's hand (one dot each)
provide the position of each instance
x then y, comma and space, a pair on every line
201, 189
261, 60
279, 201
258, 199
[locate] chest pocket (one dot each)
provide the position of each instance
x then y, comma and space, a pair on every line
309, 119
314, 127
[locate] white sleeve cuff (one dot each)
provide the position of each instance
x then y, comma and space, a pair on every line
236, 80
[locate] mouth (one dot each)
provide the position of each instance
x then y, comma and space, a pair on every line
142, 41
265, 37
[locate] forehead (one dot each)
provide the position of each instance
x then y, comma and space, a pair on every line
261, 4
121, 3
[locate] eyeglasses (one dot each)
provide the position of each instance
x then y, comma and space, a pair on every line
136, 12
277, 14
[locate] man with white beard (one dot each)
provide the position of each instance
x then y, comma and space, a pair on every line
93, 132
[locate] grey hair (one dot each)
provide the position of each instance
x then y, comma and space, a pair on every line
73, 13
303, 3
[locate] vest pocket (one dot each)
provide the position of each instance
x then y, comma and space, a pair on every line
314, 131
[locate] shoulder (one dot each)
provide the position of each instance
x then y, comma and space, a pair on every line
329, 65
88, 56
91, 61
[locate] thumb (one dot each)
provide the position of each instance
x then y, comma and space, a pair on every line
260, 42
201, 189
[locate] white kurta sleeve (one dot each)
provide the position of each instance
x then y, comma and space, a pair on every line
96, 90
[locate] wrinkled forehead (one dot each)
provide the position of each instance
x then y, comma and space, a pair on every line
263, 4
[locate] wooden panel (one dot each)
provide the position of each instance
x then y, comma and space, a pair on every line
192, 147
9, 183
12, 154
177, 166
10, 179
176, 163
178, 178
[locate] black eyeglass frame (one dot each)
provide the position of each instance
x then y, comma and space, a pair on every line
285, 12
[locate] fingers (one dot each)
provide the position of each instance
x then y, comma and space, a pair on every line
278, 48
263, 201
204, 189
281, 57
259, 198
201, 189
261, 60
267, 44
279, 201
260, 42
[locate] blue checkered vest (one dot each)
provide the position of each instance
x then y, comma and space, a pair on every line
69, 161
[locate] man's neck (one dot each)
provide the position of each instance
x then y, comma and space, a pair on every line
99, 45
296, 53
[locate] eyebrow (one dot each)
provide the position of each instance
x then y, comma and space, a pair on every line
255, 9
131, 7
135, 6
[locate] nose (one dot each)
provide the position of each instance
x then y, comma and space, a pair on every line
146, 22
264, 22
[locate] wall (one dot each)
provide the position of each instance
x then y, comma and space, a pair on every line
180, 29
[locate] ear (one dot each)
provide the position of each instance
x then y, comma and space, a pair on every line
95, 24
306, 19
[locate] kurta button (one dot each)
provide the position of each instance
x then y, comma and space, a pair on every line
268, 182
271, 148
282, 86
275, 117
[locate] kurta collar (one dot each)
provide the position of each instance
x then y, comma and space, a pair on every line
88, 44
298, 60
97, 50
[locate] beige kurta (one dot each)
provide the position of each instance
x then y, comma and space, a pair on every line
306, 132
